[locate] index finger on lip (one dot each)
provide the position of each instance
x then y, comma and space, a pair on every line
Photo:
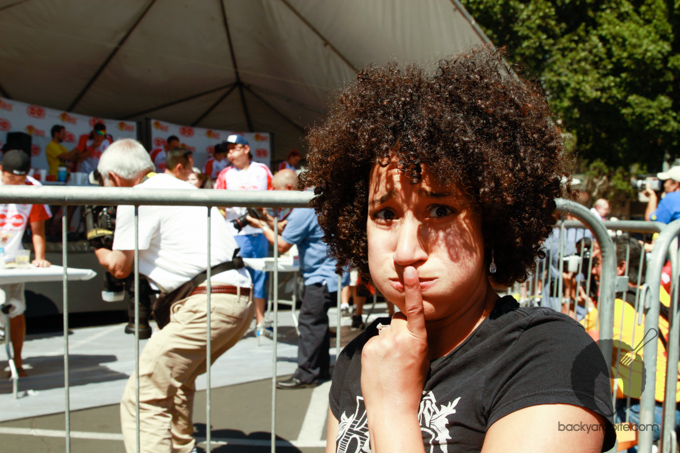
413, 303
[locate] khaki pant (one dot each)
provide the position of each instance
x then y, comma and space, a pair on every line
169, 365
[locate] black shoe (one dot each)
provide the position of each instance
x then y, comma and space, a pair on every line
294, 383
358, 322
144, 331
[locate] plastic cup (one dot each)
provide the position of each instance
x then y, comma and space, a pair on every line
23, 259
43, 175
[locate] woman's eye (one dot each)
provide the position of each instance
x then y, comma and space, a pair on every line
440, 211
384, 214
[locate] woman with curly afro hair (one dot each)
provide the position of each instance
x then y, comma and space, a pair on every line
435, 186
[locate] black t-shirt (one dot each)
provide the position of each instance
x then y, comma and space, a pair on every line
516, 358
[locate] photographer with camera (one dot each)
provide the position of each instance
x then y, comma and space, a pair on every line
173, 263
668, 209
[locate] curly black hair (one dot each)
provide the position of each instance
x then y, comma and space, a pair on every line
473, 123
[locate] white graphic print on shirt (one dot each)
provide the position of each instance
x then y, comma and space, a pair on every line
434, 421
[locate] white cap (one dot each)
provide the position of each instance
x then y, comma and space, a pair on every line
673, 173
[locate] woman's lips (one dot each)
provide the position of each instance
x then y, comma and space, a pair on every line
425, 284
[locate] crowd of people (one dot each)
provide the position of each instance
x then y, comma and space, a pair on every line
430, 189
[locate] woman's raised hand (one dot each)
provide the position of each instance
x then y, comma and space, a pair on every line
394, 366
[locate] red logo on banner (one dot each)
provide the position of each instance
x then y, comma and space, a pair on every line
35, 150
35, 111
212, 134
261, 138
186, 131
16, 221
69, 138
94, 121
261, 152
6, 105
160, 126
32, 130
123, 126
210, 150
5, 125
158, 142
66, 118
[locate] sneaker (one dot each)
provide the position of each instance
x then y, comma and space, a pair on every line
265, 330
358, 322
346, 311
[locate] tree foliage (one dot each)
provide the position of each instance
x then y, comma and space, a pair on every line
610, 69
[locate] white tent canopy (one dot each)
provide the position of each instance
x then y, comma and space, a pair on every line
244, 65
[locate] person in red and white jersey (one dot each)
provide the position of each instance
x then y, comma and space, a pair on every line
91, 146
245, 174
291, 161
14, 218
218, 162
158, 154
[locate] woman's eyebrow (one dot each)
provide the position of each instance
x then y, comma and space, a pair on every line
430, 194
382, 199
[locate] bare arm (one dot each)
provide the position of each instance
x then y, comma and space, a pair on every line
651, 204
269, 234
117, 262
545, 428
39, 243
332, 432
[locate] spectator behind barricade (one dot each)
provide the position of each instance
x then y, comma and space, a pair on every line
218, 162
436, 184
245, 174
196, 178
159, 154
629, 335
15, 167
552, 246
179, 163
601, 209
56, 153
321, 286
173, 257
291, 162
668, 209
90, 148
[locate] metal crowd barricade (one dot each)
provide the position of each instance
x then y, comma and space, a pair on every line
644, 295
666, 245
210, 198
101, 196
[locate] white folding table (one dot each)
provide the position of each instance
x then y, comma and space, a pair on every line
10, 275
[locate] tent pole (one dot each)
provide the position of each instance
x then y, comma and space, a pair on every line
179, 101
239, 83
212, 107
109, 58
300, 128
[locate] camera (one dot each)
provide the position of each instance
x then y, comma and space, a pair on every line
648, 183
100, 223
240, 222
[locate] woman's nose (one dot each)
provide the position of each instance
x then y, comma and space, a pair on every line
410, 247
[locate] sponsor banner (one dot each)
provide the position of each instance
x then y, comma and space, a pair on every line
202, 141
37, 121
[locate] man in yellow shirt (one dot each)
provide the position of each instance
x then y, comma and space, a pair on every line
57, 154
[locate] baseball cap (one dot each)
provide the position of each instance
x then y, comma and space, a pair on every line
237, 139
16, 162
673, 173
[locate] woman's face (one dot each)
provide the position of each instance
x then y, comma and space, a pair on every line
429, 227
194, 180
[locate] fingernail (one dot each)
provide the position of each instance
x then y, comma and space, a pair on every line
410, 272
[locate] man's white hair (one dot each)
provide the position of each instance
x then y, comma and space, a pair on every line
125, 157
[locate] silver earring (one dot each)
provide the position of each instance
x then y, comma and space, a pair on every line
492, 266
